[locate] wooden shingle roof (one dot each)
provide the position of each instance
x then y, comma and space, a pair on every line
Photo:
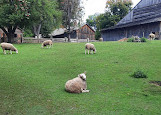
146, 11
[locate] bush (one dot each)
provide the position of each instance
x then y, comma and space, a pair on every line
143, 39
130, 40
139, 74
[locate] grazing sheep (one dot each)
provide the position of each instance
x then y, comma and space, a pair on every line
8, 46
101, 39
151, 36
90, 47
46, 43
77, 85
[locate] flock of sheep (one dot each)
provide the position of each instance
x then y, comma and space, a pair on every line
76, 85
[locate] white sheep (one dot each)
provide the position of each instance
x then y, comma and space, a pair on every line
151, 36
77, 85
91, 47
46, 43
8, 46
101, 39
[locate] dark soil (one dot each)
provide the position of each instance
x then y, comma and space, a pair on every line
158, 83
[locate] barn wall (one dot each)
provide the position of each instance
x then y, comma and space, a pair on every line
86, 32
139, 30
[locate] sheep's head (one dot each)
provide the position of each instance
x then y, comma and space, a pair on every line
82, 76
17, 51
94, 50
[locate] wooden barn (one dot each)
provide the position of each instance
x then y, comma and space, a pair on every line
86, 32
144, 18
81, 33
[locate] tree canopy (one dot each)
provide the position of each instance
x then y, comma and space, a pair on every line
115, 11
72, 13
13, 14
38, 14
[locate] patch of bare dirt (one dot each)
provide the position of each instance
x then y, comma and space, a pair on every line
158, 83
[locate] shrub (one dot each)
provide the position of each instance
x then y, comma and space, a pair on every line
139, 74
143, 39
130, 40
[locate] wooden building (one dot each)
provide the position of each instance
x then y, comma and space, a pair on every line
86, 32
81, 33
144, 18
17, 36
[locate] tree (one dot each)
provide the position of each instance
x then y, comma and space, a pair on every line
45, 15
13, 14
115, 11
72, 13
91, 21
119, 8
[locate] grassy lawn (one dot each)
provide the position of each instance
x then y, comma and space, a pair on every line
32, 82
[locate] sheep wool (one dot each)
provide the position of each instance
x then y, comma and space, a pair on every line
77, 85
151, 36
8, 46
46, 43
90, 47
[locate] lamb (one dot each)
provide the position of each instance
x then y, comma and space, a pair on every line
8, 46
46, 43
77, 85
151, 36
91, 47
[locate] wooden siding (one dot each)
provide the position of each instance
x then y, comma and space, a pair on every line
138, 30
86, 32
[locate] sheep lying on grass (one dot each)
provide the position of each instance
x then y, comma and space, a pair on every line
46, 43
8, 46
151, 36
90, 47
77, 85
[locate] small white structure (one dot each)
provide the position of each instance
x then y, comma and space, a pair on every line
87, 40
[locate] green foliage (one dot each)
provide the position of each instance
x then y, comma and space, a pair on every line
46, 14
91, 21
106, 20
143, 39
139, 74
119, 8
130, 39
97, 35
28, 32
72, 12
14, 13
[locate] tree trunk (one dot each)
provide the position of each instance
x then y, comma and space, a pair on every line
37, 30
10, 37
10, 31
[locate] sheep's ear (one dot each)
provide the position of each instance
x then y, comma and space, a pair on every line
85, 72
79, 75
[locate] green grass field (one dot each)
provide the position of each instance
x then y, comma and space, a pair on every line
32, 82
